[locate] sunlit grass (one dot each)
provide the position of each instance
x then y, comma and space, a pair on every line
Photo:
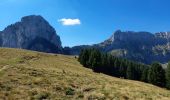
29, 75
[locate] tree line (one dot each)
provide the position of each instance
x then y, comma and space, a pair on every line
123, 68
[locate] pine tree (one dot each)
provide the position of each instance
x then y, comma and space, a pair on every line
84, 57
116, 67
143, 67
168, 76
156, 75
110, 65
144, 77
122, 69
80, 56
95, 60
130, 71
104, 66
138, 71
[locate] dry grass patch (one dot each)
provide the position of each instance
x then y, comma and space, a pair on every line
27, 75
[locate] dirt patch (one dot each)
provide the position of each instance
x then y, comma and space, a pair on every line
26, 58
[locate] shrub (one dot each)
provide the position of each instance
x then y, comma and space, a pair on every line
70, 91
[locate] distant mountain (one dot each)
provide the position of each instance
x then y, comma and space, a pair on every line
144, 47
32, 33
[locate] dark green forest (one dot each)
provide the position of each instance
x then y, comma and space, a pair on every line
122, 68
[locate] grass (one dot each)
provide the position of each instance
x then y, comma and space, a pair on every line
28, 75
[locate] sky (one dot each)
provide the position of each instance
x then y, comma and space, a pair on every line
80, 22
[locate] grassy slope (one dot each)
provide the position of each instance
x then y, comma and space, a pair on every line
32, 75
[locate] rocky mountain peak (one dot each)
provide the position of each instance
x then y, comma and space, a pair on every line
23, 33
113, 35
32, 17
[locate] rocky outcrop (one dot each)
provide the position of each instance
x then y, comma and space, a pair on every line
163, 35
31, 33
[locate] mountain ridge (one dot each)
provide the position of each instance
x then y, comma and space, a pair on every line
141, 46
35, 33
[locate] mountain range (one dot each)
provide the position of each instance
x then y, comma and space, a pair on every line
35, 33
143, 47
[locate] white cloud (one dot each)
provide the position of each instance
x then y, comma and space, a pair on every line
69, 21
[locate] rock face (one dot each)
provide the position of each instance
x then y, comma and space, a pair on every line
33, 33
144, 47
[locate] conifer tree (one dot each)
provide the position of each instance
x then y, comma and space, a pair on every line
156, 75
104, 63
84, 57
116, 67
168, 76
122, 69
144, 77
130, 71
80, 56
110, 65
95, 60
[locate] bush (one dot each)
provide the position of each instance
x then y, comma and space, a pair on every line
70, 91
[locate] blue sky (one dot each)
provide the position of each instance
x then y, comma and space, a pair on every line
96, 20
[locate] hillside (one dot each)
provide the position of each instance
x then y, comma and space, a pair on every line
33, 75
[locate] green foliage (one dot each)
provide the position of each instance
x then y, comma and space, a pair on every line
156, 75
144, 77
118, 67
84, 57
130, 72
168, 76
108, 64
95, 60
70, 91
122, 69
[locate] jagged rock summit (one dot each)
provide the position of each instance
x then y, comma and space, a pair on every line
33, 33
